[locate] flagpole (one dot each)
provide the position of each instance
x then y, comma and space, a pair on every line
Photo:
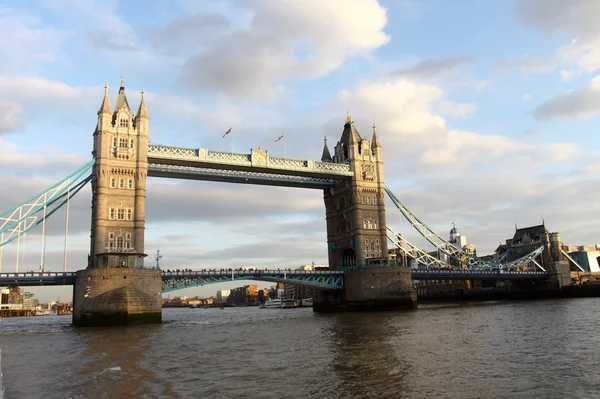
232, 144
284, 153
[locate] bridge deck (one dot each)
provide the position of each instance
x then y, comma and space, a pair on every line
316, 279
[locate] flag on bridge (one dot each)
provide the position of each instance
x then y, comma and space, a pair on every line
226, 133
278, 138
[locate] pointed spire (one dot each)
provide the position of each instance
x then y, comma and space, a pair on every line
326, 157
375, 141
348, 118
122, 99
142, 110
105, 106
349, 135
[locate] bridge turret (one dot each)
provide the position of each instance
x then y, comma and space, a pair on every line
119, 185
356, 224
326, 157
105, 111
375, 144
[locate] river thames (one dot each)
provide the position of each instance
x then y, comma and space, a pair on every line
534, 349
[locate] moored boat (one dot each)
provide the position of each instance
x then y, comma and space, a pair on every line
307, 303
273, 304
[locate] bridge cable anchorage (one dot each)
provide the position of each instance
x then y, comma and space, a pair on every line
452, 251
21, 219
66, 230
437, 241
574, 262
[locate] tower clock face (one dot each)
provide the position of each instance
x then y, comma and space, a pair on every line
367, 171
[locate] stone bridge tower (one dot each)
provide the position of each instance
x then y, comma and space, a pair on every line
356, 225
114, 289
119, 184
356, 232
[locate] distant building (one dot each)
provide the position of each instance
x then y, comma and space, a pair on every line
222, 296
586, 256
293, 291
528, 239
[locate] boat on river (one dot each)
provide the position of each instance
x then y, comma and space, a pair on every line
306, 303
273, 304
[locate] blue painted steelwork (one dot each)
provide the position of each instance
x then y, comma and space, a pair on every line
237, 176
498, 259
466, 274
25, 216
255, 161
37, 279
172, 281
455, 253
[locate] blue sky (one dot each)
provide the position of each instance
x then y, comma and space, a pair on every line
487, 113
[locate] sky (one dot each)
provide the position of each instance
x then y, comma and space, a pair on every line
486, 112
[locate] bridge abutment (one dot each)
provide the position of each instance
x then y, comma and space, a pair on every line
117, 297
375, 288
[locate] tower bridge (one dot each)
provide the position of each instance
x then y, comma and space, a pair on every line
116, 288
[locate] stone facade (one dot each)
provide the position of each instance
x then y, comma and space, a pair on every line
355, 209
117, 296
119, 184
115, 289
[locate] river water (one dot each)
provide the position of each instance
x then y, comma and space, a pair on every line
530, 349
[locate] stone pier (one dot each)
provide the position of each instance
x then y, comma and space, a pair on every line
377, 288
117, 297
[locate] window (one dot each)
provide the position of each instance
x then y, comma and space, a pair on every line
130, 183
128, 236
124, 122
121, 214
115, 142
113, 182
123, 143
121, 183
131, 143
111, 213
129, 214
111, 236
119, 242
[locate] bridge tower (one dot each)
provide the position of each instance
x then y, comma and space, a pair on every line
119, 184
115, 289
357, 232
356, 226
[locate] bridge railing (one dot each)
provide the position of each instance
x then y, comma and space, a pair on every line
204, 155
37, 274
252, 272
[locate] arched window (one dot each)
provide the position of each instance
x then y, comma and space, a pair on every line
130, 183
111, 213
113, 182
121, 183
129, 214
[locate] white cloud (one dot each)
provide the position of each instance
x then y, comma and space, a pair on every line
582, 102
528, 64
25, 43
285, 40
526, 97
579, 18
398, 105
10, 116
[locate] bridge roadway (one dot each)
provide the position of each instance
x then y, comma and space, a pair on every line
174, 280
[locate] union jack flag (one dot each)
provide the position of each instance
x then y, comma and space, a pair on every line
226, 133
278, 138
